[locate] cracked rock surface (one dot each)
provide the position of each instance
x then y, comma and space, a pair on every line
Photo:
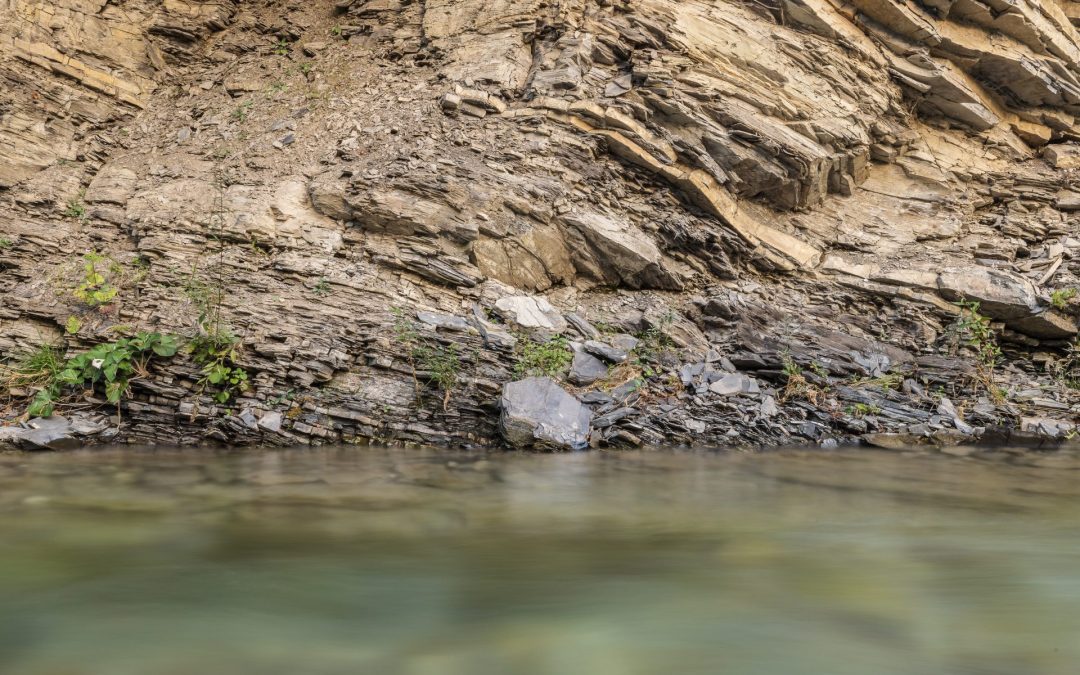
768, 210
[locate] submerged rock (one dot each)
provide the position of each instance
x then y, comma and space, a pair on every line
538, 413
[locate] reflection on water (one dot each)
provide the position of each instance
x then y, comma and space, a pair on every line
432, 563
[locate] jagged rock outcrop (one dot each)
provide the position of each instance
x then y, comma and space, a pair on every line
389, 200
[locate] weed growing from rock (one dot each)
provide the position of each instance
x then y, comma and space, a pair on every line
75, 207
798, 386
550, 358
975, 329
440, 364
96, 288
1061, 297
240, 113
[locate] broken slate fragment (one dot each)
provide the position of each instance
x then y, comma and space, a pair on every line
606, 352
735, 383
586, 369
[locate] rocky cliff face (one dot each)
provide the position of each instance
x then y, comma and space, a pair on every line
751, 221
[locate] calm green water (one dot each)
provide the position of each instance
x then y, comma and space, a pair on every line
122, 562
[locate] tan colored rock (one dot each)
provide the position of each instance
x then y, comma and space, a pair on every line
1062, 156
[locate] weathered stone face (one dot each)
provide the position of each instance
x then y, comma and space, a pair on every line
693, 172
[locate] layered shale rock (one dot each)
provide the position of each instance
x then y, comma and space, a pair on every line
771, 212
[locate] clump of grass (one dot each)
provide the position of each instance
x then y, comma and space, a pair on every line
885, 381
6, 243
35, 368
322, 289
550, 358
798, 386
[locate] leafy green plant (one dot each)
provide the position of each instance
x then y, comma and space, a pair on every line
96, 287
975, 329
549, 358
306, 67
109, 366
6, 243
1061, 297
217, 356
440, 363
72, 325
282, 47
336, 31
322, 288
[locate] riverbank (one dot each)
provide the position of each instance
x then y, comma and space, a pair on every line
346, 223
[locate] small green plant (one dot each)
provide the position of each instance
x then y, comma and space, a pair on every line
72, 325
886, 381
109, 366
99, 272
975, 329
1061, 297
861, 410
336, 31
322, 289
549, 358
306, 67
6, 243
282, 47
654, 340
217, 357
277, 87
75, 207
240, 113
440, 363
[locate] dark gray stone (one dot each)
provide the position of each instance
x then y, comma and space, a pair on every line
735, 383
586, 369
537, 412
51, 433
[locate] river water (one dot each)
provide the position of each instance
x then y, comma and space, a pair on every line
425, 562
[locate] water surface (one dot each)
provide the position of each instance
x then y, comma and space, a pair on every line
345, 560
